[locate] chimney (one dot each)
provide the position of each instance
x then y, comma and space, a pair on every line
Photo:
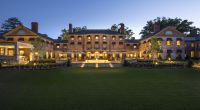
59, 38
193, 33
70, 28
156, 27
122, 28
34, 27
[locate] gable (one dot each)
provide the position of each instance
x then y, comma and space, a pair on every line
20, 31
169, 31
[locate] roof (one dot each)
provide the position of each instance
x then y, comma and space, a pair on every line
131, 41
60, 41
45, 36
97, 31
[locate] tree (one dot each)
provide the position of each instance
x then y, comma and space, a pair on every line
65, 33
10, 24
39, 48
184, 26
155, 48
129, 33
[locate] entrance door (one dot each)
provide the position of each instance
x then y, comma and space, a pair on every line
96, 55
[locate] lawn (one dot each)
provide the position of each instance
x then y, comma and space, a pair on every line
100, 89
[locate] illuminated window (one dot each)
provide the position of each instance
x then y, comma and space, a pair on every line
168, 42
178, 42
159, 42
72, 38
57, 46
79, 37
192, 44
10, 53
97, 37
113, 37
192, 54
21, 52
1, 51
88, 37
134, 46
104, 37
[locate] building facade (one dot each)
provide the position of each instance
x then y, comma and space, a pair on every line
90, 44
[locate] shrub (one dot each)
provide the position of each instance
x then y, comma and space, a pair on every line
190, 63
68, 62
125, 63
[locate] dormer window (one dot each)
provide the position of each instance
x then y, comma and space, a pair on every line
57, 45
104, 37
96, 37
168, 33
113, 37
120, 37
88, 37
79, 37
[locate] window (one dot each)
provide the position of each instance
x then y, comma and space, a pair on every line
159, 42
57, 45
134, 46
121, 43
104, 37
72, 43
168, 42
31, 39
21, 32
79, 43
120, 37
127, 44
65, 45
96, 42
113, 43
89, 38
178, 42
1, 51
21, 52
104, 42
72, 37
96, 37
113, 37
21, 39
79, 37
192, 54
10, 39
10, 53
88, 42
168, 33
192, 44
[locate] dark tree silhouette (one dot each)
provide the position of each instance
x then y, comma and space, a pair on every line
183, 26
10, 24
129, 33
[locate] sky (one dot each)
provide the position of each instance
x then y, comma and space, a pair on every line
55, 15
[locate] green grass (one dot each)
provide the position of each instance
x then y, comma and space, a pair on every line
100, 89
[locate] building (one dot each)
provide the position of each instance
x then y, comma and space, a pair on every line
170, 40
192, 45
89, 44
98, 44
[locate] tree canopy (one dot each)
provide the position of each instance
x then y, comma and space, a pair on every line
183, 26
129, 33
10, 24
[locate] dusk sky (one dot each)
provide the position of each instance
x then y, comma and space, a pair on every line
54, 15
